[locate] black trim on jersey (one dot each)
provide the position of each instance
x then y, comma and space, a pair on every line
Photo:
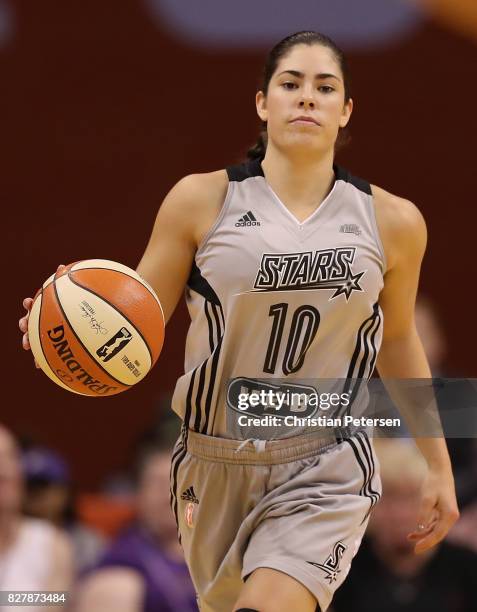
219, 326
213, 375
200, 285
364, 360
198, 397
215, 353
343, 175
359, 339
206, 385
188, 412
252, 168
241, 172
362, 339
209, 321
373, 344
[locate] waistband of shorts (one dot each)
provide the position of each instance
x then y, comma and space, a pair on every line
261, 452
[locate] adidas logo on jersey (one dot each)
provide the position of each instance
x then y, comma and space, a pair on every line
247, 220
189, 495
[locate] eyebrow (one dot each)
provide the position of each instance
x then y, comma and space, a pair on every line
321, 75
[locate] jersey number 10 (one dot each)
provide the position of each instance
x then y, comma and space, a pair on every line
304, 325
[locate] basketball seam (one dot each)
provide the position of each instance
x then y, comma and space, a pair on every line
133, 325
79, 339
43, 350
71, 271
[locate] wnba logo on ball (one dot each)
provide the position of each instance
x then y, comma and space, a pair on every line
114, 344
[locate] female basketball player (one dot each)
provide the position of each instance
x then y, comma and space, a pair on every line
291, 265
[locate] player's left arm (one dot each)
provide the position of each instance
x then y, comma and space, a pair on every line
404, 235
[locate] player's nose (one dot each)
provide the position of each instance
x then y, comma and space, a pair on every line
307, 101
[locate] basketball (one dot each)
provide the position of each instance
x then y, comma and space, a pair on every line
97, 328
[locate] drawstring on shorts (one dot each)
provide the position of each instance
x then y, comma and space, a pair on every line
258, 444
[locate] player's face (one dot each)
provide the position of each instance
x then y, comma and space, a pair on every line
298, 88
11, 488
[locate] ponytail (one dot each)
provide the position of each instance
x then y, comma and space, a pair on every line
259, 148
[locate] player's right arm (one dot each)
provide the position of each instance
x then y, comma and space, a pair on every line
184, 218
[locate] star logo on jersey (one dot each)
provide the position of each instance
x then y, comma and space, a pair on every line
331, 566
325, 269
351, 284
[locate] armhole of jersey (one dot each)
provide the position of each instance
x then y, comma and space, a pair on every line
220, 216
377, 235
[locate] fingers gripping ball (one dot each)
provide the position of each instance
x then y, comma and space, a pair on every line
97, 328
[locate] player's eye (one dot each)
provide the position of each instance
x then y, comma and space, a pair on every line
326, 88
289, 85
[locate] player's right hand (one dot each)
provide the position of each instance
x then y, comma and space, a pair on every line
23, 322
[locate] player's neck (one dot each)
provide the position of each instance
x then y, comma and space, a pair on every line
303, 181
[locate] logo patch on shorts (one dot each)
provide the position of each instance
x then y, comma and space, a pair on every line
189, 496
189, 514
331, 566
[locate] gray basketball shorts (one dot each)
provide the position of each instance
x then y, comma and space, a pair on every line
298, 505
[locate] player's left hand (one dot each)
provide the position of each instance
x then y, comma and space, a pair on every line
438, 509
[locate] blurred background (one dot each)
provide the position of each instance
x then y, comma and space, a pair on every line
105, 105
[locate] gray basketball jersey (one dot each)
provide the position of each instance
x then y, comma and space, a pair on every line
272, 298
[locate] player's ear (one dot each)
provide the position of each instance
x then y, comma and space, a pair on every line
261, 104
346, 114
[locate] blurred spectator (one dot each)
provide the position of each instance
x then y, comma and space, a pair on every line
386, 573
34, 555
49, 496
464, 532
144, 569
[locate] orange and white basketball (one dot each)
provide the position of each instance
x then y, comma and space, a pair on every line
97, 328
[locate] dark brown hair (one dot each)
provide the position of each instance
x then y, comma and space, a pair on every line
275, 55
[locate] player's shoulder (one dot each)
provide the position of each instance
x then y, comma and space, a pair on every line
397, 215
400, 222
399, 212
202, 186
193, 204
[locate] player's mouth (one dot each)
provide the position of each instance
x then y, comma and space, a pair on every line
305, 119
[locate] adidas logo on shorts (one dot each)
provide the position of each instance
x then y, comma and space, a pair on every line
247, 220
189, 496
